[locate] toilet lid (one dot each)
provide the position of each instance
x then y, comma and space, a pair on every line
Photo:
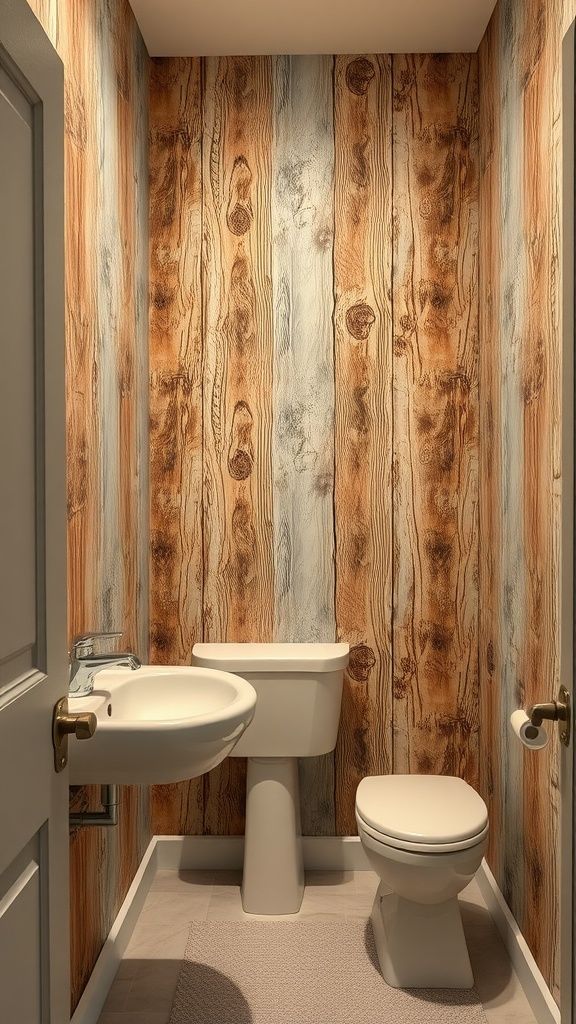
262, 657
432, 809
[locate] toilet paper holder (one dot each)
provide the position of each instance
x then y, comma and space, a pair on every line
555, 711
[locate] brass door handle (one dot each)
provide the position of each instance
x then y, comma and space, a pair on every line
64, 724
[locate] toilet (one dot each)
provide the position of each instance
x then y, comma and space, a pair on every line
424, 836
298, 697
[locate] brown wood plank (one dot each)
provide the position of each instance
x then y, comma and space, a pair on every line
175, 359
435, 415
492, 711
124, 390
539, 383
363, 427
237, 305
105, 77
520, 372
176, 571
83, 440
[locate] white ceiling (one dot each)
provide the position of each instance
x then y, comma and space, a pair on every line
187, 28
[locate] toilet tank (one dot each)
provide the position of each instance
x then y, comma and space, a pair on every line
298, 694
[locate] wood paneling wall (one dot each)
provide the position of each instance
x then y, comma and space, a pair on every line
314, 406
363, 417
435, 415
520, 124
324, 291
106, 97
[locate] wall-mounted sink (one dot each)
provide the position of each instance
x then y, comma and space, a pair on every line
159, 724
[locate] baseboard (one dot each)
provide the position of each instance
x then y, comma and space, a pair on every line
220, 853
94, 995
529, 975
321, 853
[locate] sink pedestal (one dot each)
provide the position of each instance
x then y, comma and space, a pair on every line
273, 876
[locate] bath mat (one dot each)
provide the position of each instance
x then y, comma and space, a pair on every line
301, 972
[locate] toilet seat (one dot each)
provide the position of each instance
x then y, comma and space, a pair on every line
421, 813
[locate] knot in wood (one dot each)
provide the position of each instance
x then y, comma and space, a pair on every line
240, 465
361, 662
359, 74
239, 220
359, 320
426, 206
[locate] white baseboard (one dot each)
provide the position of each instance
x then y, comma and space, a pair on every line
529, 975
321, 853
220, 853
94, 995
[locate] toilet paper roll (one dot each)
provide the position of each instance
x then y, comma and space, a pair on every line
532, 736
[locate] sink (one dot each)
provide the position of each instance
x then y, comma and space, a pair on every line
159, 724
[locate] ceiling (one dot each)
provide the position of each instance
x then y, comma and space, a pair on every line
187, 28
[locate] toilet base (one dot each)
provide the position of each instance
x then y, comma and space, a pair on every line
273, 875
420, 945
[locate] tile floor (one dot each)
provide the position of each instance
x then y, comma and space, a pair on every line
143, 989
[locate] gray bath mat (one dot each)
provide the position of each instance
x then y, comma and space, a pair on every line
301, 972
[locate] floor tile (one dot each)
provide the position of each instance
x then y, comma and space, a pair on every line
180, 881
146, 979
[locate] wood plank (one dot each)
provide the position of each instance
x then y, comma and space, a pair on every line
540, 394
521, 506
237, 305
106, 393
175, 359
176, 562
513, 567
435, 415
303, 445
82, 426
120, 340
492, 711
303, 436
82, 379
363, 426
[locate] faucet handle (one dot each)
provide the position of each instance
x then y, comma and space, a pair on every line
83, 646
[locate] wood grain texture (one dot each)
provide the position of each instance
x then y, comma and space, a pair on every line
492, 712
176, 562
297, 376
303, 434
435, 415
238, 603
363, 424
47, 12
252, 317
175, 359
238, 592
105, 82
521, 168
83, 438
540, 389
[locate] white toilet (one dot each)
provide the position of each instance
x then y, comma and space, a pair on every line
298, 697
424, 836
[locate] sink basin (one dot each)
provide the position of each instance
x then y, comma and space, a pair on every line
159, 724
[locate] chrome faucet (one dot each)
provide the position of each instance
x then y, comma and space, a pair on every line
84, 663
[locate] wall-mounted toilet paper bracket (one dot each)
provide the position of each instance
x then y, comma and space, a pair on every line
555, 711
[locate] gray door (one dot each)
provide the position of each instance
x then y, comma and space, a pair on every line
34, 957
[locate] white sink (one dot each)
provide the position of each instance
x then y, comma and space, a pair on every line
159, 724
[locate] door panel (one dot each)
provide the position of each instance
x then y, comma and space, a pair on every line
17, 461
34, 954
21, 933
